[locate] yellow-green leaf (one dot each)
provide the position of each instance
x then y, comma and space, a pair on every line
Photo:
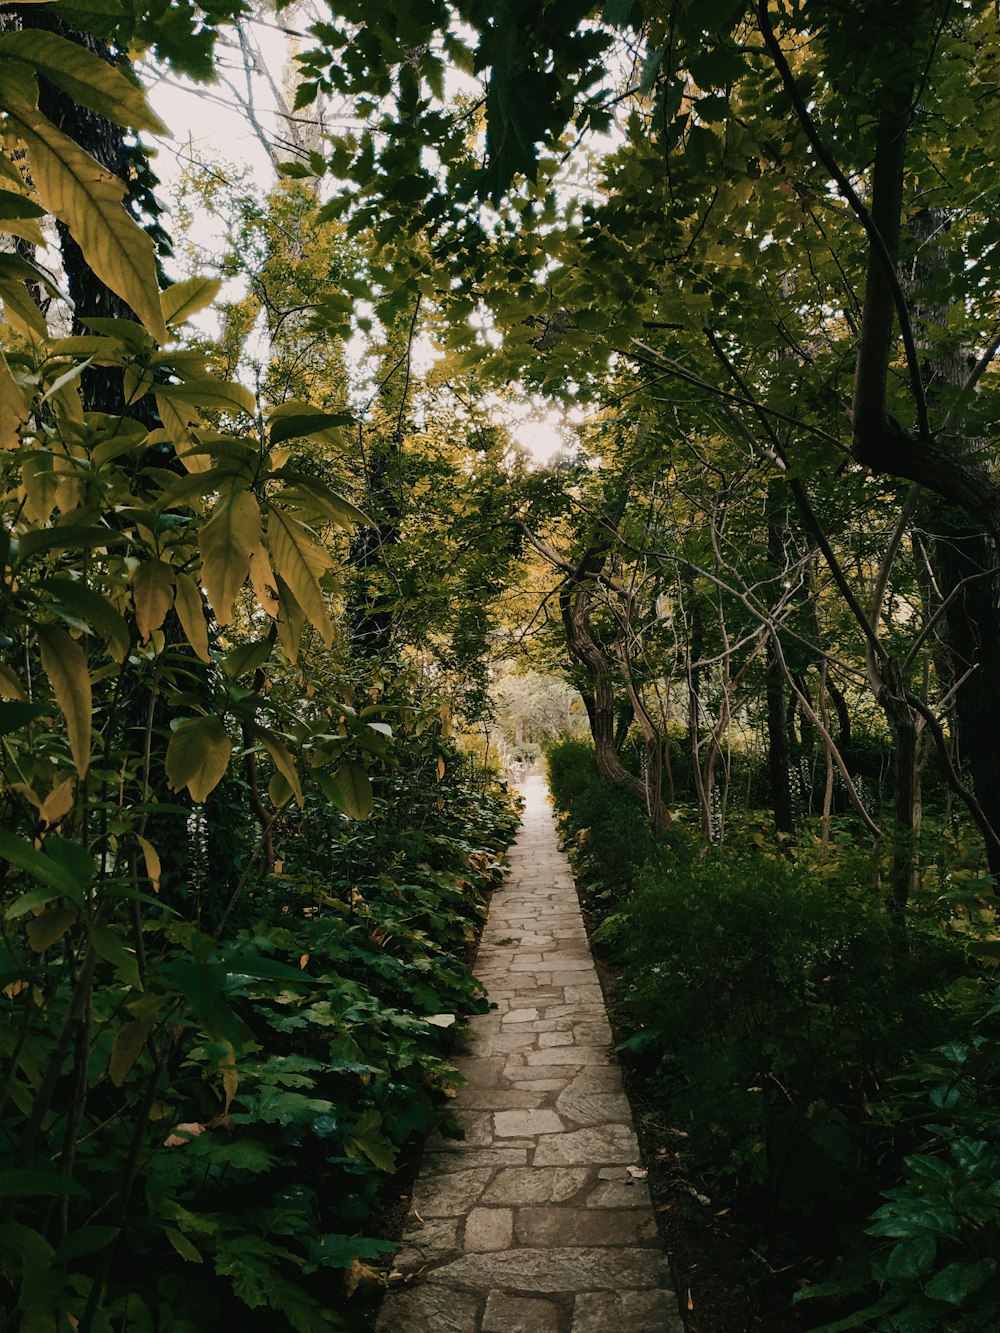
87, 198
59, 802
355, 790
10, 686
65, 664
13, 413
191, 613
152, 859
284, 763
185, 299
198, 755
291, 622
51, 926
129, 1041
153, 595
300, 563
87, 78
207, 391
227, 543
137, 380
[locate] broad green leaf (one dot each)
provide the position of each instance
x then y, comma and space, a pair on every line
202, 391
198, 755
247, 657
959, 1280
82, 606
88, 199
137, 380
152, 595
88, 1240
367, 1140
59, 802
26, 1182
191, 613
15, 205
184, 299
227, 542
151, 857
110, 946
354, 788
294, 419
130, 1039
312, 494
10, 686
51, 926
300, 563
65, 664
18, 714
182, 1245
283, 762
66, 536
87, 78
20, 307
59, 881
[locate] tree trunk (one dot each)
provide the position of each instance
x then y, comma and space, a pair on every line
778, 753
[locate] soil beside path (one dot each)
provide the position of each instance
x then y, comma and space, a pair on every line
539, 1220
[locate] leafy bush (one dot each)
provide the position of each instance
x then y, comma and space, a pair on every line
242, 1114
611, 841
932, 1260
775, 1004
767, 1000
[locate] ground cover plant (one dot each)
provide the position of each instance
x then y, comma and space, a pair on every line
804, 1056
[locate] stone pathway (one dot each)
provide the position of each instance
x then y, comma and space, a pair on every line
534, 1222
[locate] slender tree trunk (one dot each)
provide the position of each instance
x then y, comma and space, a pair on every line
778, 753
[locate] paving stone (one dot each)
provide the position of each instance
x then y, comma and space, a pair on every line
625, 1193
521, 1016
521, 1186
599, 1145
429, 1308
451, 1194
577, 1226
559, 1268
488, 1229
458, 1158
570, 1055
431, 1241
593, 1108
638, 1311
519, 1314
502, 1099
514, 1124
547, 1039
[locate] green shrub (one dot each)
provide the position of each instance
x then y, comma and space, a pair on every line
931, 1259
611, 840
774, 1004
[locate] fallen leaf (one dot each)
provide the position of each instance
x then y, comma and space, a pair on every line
183, 1134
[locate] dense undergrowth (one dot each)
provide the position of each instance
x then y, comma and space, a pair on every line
233, 1169
808, 1055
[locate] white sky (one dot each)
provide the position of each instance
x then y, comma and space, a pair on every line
209, 122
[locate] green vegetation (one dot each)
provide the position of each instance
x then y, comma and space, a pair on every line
255, 583
807, 1054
